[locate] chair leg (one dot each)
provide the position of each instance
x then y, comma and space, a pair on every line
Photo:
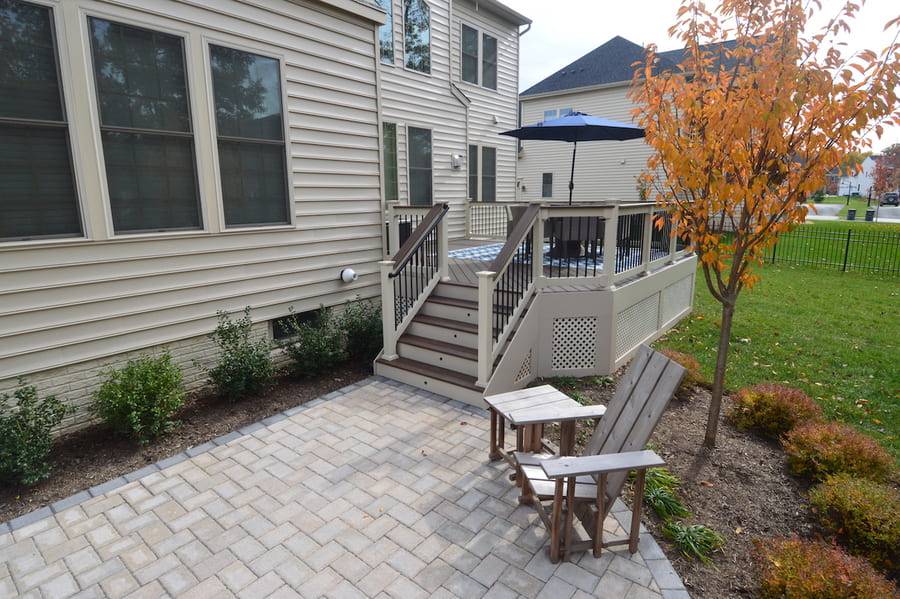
634, 535
601, 515
555, 523
494, 454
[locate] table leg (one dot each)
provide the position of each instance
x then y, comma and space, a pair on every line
494, 455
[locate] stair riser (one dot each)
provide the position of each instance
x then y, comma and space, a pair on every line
441, 334
448, 361
435, 386
457, 292
469, 315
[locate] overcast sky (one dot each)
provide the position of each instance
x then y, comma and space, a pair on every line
565, 30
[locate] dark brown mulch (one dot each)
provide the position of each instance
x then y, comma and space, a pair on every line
94, 455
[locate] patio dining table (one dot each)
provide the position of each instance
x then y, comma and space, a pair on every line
528, 410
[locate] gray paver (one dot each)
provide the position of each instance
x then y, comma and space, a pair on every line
352, 495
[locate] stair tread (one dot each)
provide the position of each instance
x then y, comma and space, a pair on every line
452, 301
446, 323
436, 372
453, 349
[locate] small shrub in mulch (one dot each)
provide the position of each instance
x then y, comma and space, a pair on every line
141, 398
865, 517
820, 449
773, 409
317, 346
660, 493
245, 364
694, 540
692, 376
814, 570
361, 322
25, 434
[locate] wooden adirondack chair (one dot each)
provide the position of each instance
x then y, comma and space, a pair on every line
588, 485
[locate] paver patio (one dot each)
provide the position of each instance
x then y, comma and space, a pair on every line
378, 490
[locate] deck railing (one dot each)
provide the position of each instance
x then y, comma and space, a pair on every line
407, 279
491, 220
401, 222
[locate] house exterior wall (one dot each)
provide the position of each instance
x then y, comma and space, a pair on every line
861, 182
413, 99
604, 170
70, 306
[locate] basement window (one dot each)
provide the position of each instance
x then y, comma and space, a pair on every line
283, 326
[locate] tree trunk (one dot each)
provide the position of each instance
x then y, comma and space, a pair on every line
715, 403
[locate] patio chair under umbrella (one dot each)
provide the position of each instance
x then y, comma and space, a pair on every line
575, 127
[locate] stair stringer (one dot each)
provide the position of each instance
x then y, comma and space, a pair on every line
521, 349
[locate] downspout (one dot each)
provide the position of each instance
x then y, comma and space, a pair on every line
519, 111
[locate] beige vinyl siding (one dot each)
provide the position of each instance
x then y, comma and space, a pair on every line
501, 103
603, 169
71, 301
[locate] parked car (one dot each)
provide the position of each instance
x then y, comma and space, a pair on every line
891, 198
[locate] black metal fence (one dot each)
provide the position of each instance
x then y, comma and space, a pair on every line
851, 250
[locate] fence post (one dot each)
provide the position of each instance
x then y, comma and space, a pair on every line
774, 250
388, 311
847, 248
485, 326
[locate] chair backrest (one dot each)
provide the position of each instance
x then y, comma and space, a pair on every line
641, 398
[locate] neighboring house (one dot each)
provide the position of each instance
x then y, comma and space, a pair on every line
597, 84
161, 160
449, 78
861, 182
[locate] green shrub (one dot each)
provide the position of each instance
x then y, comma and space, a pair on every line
694, 540
245, 366
318, 345
692, 376
140, 398
361, 321
660, 494
25, 434
773, 409
864, 515
819, 449
796, 569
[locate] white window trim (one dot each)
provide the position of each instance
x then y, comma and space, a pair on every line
480, 71
408, 145
430, 72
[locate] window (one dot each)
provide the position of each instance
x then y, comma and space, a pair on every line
37, 188
473, 173
489, 62
564, 112
284, 328
389, 135
145, 126
386, 32
250, 130
489, 174
469, 54
549, 115
419, 149
417, 35
547, 185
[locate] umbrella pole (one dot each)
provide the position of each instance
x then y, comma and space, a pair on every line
572, 176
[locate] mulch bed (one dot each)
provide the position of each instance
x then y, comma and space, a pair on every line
94, 455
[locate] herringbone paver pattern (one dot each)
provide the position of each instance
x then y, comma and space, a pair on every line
381, 491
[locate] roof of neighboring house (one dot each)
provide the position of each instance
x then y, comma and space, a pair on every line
611, 62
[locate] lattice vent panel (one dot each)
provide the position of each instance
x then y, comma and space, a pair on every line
675, 299
574, 342
635, 324
526, 368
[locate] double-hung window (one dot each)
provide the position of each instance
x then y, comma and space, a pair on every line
419, 158
250, 130
37, 188
488, 174
389, 135
547, 185
488, 61
417, 35
145, 125
473, 173
549, 115
386, 32
469, 54
479, 57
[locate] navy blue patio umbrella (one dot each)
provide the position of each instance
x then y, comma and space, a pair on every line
575, 127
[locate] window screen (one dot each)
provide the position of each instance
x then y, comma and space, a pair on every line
547, 185
420, 183
489, 62
469, 54
390, 162
250, 129
473, 173
489, 174
417, 35
37, 188
145, 126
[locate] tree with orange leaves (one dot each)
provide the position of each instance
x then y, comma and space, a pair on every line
887, 170
748, 125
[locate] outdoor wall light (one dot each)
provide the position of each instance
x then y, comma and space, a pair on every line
456, 161
348, 275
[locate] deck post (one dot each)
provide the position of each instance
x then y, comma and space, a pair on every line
388, 326
393, 229
646, 242
537, 250
673, 240
485, 326
443, 250
610, 239
468, 215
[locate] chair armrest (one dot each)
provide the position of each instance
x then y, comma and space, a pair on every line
601, 464
548, 414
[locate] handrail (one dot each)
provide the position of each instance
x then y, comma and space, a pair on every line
519, 230
412, 243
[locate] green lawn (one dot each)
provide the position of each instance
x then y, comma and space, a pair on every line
833, 334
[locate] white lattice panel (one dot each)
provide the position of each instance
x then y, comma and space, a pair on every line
526, 368
675, 299
635, 324
574, 342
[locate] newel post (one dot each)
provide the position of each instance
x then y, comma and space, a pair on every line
610, 238
673, 240
646, 242
388, 311
537, 250
485, 326
393, 229
443, 250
